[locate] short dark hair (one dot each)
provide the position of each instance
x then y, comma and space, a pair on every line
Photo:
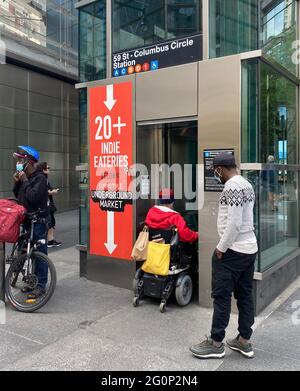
166, 197
42, 166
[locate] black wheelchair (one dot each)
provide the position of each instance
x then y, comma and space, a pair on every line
179, 279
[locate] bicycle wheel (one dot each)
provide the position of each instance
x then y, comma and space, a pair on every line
17, 281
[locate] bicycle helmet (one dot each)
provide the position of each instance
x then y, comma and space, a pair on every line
27, 152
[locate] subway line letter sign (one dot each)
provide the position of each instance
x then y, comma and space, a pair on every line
111, 210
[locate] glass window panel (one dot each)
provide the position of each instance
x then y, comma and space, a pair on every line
274, 215
84, 195
45, 28
268, 128
269, 136
183, 17
278, 117
137, 23
250, 96
99, 50
92, 30
233, 26
143, 22
279, 31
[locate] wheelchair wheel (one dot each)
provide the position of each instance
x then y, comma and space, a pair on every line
136, 280
184, 291
162, 307
135, 302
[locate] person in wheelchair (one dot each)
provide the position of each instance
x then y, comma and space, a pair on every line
164, 217
167, 224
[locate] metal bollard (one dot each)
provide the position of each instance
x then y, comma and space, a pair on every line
2, 271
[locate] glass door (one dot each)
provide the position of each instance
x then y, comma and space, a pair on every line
173, 146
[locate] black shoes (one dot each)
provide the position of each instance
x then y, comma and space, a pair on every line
54, 243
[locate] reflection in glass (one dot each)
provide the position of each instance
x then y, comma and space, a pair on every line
92, 51
143, 22
183, 17
278, 113
137, 23
250, 109
233, 26
83, 125
269, 115
276, 212
47, 28
279, 31
83, 186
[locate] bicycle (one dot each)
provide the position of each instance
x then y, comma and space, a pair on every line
21, 278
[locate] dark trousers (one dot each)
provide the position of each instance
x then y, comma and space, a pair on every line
232, 274
52, 221
41, 267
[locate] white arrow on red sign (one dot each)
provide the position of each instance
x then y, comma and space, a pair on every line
110, 101
110, 245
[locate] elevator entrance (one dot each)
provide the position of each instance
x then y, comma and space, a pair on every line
172, 146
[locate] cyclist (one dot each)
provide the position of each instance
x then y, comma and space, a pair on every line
32, 192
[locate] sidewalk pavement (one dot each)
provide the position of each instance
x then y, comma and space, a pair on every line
92, 326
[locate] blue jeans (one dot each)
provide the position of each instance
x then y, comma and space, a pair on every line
41, 268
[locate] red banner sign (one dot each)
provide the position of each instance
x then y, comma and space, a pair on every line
111, 210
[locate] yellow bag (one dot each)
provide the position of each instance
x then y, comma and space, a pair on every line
158, 259
139, 251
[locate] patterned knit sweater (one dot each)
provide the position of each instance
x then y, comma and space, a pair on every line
235, 219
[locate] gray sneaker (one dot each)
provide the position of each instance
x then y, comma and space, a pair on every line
245, 350
206, 349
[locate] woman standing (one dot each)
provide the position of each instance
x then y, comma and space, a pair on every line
43, 166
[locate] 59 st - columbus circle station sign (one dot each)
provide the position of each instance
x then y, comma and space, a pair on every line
154, 57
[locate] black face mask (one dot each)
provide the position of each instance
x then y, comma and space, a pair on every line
25, 165
219, 178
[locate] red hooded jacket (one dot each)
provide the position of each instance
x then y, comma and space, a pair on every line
162, 217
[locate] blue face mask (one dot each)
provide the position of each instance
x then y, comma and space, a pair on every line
19, 167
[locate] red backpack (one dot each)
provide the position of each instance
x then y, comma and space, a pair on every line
11, 216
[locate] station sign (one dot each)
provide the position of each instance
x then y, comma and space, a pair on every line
157, 56
210, 183
111, 209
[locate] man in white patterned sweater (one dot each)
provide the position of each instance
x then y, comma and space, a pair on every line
233, 262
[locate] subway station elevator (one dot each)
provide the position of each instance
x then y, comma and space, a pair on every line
171, 146
171, 108
178, 113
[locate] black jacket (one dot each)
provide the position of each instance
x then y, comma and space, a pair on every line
33, 193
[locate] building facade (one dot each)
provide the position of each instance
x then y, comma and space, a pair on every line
38, 100
206, 75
